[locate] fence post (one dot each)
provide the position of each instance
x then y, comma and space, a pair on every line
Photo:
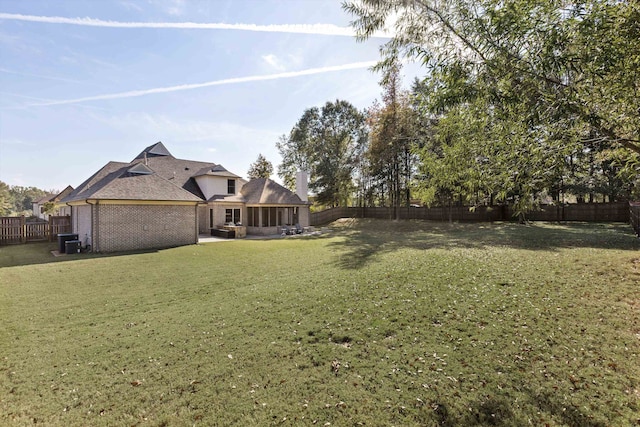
23, 229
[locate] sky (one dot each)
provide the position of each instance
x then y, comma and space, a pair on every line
85, 82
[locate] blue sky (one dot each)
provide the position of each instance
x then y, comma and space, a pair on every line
86, 82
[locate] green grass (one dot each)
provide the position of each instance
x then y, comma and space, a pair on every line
375, 323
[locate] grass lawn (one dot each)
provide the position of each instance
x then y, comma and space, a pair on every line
375, 323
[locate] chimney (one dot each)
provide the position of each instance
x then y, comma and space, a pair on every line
302, 185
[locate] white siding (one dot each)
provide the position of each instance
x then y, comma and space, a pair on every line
81, 223
63, 210
214, 185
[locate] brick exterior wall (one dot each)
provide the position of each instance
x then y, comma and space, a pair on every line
133, 227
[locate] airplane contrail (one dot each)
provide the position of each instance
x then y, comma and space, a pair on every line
235, 80
319, 29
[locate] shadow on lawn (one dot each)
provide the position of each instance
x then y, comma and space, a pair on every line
363, 239
497, 411
40, 253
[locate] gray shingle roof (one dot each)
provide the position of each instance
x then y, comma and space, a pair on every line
129, 186
95, 182
115, 182
156, 175
268, 192
178, 171
46, 198
64, 193
216, 170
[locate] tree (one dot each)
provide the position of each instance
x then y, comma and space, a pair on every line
48, 208
325, 142
392, 133
5, 199
18, 200
582, 56
297, 149
261, 168
546, 78
23, 198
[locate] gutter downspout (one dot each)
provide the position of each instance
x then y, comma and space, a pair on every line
197, 230
95, 247
72, 216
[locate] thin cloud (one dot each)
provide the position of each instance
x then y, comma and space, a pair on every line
274, 62
318, 29
141, 125
235, 80
39, 76
131, 6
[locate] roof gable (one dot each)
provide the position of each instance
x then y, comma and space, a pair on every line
64, 193
140, 169
156, 150
44, 199
54, 197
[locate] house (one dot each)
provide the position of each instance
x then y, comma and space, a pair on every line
159, 201
59, 209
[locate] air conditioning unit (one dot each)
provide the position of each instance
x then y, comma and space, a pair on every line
72, 247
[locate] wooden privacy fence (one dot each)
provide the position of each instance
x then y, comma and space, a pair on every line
634, 214
590, 212
17, 229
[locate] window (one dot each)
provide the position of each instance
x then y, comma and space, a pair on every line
273, 217
231, 186
269, 217
253, 218
232, 216
210, 218
280, 217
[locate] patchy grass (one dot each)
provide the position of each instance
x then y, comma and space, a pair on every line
376, 323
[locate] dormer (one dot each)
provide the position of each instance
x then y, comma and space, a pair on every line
217, 181
139, 169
